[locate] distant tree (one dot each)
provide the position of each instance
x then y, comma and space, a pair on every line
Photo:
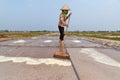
118, 31
6, 30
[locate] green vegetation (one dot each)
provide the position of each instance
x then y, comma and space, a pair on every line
21, 34
99, 34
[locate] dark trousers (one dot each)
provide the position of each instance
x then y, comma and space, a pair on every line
61, 30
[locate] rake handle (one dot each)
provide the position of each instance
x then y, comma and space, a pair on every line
68, 24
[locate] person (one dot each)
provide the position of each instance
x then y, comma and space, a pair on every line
62, 23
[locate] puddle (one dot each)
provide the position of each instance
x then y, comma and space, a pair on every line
19, 41
76, 41
47, 41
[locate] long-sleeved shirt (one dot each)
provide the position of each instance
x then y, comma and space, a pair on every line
62, 20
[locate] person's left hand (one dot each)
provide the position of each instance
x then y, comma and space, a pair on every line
70, 14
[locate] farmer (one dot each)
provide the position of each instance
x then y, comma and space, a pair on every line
62, 23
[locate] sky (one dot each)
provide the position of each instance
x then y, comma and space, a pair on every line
87, 15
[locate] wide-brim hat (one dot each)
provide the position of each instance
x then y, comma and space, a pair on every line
65, 7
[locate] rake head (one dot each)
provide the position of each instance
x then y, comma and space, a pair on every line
62, 55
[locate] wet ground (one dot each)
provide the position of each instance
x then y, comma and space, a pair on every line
32, 59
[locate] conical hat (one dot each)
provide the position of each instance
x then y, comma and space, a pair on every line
65, 7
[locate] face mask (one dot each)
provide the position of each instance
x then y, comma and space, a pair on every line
65, 12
